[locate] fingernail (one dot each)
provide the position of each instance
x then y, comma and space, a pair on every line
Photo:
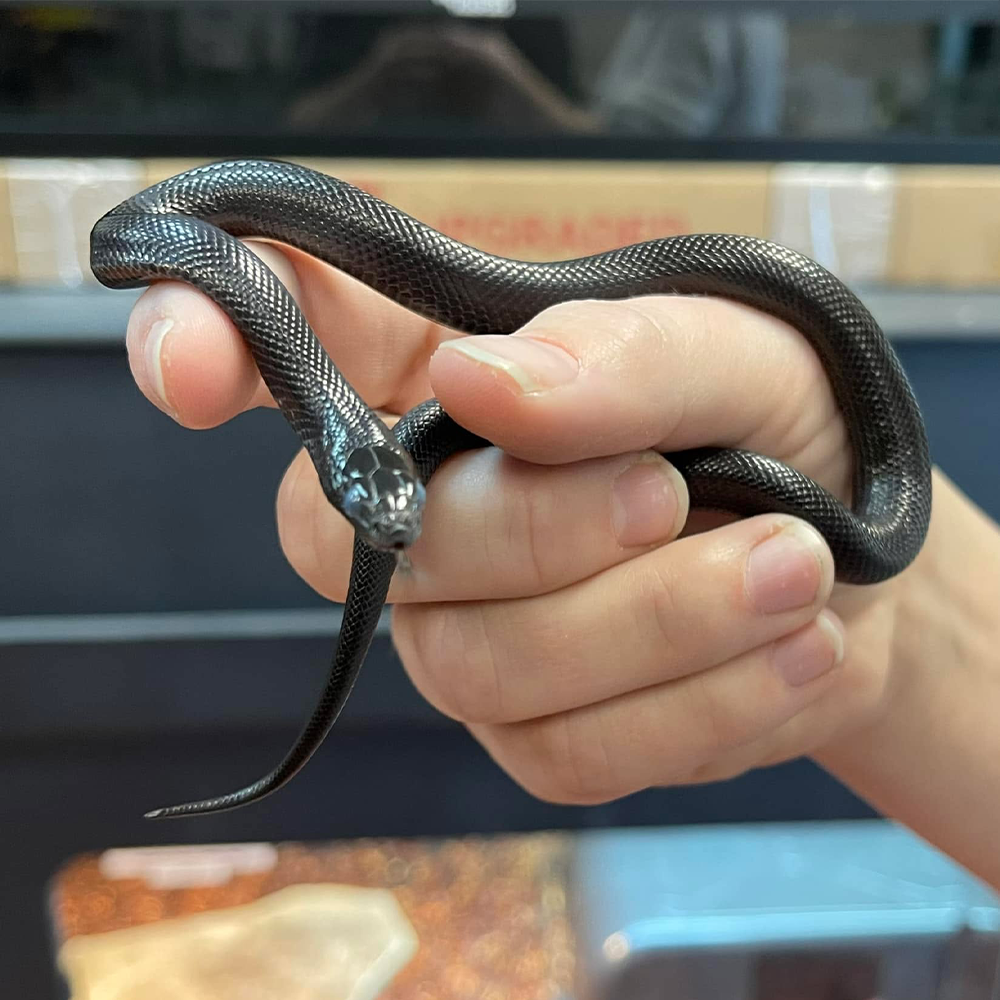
786, 570
153, 360
644, 504
535, 365
810, 653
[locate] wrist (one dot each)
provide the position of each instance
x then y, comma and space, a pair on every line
929, 755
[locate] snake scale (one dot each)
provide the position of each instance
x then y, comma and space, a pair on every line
188, 228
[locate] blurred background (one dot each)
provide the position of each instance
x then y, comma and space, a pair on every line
154, 645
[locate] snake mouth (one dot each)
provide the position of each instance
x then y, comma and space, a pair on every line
395, 533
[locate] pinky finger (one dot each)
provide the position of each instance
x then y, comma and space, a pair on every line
698, 728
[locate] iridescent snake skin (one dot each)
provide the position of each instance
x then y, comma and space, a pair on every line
187, 228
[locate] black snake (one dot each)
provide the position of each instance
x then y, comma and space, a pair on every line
186, 228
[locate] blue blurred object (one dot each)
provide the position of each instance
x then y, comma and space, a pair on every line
823, 911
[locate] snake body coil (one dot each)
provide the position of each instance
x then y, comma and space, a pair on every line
187, 228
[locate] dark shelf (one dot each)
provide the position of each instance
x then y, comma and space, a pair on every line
96, 317
866, 10
60, 137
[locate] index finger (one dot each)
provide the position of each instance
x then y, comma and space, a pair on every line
188, 358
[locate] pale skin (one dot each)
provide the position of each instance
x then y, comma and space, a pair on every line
563, 604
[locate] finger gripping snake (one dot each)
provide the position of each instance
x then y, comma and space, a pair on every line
188, 228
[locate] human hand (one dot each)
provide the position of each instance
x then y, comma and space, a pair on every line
556, 606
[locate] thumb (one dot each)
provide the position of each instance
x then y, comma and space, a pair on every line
595, 378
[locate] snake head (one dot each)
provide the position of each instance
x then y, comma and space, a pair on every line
383, 497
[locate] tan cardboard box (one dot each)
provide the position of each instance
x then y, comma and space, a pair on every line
540, 210
8, 263
947, 227
839, 214
54, 204
158, 170
930, 226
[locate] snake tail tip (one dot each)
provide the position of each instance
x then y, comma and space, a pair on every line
167, 812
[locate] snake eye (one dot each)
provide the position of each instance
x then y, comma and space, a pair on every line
357, 502
363, 463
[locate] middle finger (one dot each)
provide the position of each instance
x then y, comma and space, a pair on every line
669, 613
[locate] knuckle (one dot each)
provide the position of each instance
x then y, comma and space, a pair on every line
528, 530
562, 314
723, 722
621, 322
863, 683
453, 659
657, 608
536, 535
656, 332
568, 762
711, 722
727, 767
